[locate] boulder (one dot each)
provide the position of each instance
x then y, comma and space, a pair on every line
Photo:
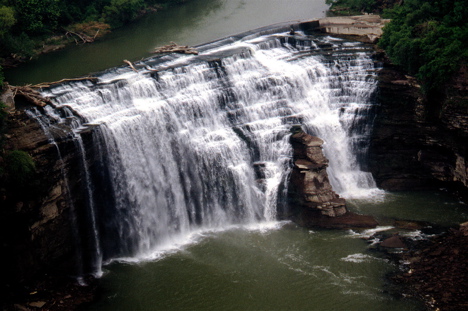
393, 242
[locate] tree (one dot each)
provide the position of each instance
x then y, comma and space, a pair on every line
7, 19
120, 12
37, 16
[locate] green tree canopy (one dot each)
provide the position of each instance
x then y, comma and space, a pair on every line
7, 19
428, 39
37, 16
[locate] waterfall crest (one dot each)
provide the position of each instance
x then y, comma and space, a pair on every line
201, 142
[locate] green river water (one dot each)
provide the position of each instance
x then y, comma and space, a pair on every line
275, 266
196, 22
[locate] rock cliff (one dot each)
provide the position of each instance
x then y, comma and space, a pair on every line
37, 218
417, 142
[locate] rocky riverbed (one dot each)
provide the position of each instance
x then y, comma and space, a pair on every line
433, 270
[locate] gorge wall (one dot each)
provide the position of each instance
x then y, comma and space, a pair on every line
37, 218
419, 143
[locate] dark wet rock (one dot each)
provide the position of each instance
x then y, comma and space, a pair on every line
464, 228
52, 294
418, 142
394, 241
409, 225
37, 237
436, 271
350, 220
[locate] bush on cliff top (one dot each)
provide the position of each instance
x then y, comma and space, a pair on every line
356, 7
428, 39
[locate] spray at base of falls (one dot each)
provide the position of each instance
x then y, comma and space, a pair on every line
202, 142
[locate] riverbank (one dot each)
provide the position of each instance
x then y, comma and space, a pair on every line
76, 34
435, 270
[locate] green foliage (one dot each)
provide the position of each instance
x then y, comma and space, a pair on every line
25, 22
20, 168
428, 39
3, 125
354, 7
120, 12
7, 19
1, 81
20, 45
37, 16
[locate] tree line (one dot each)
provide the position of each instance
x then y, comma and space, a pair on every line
25, 24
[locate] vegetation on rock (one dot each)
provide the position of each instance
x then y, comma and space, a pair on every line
20, 168
428, 39
357, 7
3, 126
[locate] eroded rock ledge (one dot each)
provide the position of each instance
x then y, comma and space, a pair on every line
313, 202
368, 26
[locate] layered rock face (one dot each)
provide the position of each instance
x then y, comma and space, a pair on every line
37, 233
418, 143
309, 177
313, 202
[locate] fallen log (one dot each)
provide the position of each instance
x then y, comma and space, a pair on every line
48, 84
30, 95
175, 48
130, 64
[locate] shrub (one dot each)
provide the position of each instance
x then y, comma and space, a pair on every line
19, 168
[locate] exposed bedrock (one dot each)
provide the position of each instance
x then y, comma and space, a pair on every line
313, 202
419, 143
42, 219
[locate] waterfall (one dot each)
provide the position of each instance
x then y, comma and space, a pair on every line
202, 142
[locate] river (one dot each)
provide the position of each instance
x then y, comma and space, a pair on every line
267, 265
194, 23
276, 266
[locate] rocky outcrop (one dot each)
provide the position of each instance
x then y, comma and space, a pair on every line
367, 26
364, 28
417, 142
436, 270
312, 200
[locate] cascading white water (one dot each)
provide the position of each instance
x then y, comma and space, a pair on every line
203, 141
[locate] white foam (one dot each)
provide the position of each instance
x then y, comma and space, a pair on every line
369, 232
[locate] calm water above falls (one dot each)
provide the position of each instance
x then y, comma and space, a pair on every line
194, 23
